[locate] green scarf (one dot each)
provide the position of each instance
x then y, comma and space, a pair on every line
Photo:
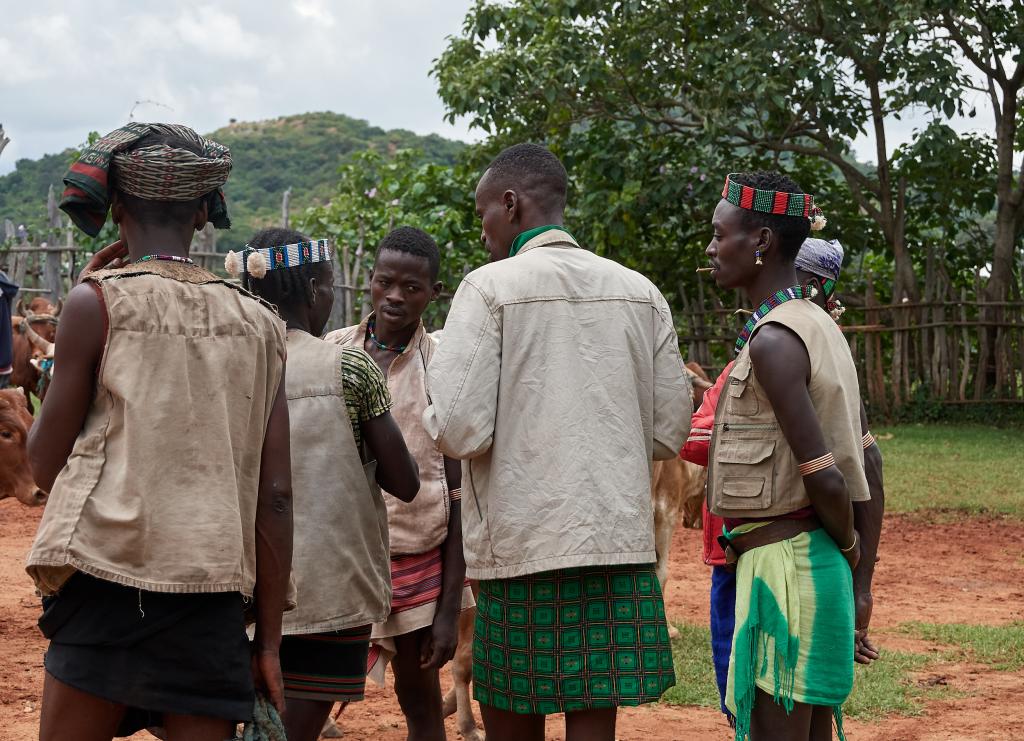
529, 234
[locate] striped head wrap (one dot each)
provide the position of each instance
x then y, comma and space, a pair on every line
256, 261
155, 173
779, 203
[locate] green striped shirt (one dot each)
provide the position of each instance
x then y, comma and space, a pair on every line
366, 389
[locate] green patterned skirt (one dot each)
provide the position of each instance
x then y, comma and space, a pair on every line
572, 639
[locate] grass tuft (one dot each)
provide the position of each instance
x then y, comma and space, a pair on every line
999, 646
695, 672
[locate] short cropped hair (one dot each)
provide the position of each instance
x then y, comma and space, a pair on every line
791, 230
285, 287
532, 169
416, 242
159, 213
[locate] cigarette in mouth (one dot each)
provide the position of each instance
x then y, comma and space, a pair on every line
704, 270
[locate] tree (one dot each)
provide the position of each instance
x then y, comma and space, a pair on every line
990, 36
376, 194
760, 82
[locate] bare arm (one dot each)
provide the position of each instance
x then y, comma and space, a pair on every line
273, 546
79, 348
444, 634
783, 367
867, 517
397, 472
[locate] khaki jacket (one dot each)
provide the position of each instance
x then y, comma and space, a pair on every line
557, 380
421, 524
160, 490
340, 562
753, 472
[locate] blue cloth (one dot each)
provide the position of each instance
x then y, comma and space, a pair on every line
8, 291
723, 622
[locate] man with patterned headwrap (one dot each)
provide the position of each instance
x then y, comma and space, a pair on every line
164, 444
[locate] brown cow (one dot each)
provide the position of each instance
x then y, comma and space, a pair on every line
35, 328
15, 474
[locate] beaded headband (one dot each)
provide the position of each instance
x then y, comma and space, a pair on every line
256, 261
773, 201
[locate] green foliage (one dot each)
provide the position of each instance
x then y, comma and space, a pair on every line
376, 194
640, 97
971, 469
999, 646
302, 152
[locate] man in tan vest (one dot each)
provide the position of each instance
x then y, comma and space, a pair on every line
163, 442
428, 569
786, 463
345, 446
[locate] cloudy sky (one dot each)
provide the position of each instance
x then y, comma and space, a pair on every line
67, 68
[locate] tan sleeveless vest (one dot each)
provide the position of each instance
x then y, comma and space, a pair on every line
753, 472
160, 489
421, 524
340, 562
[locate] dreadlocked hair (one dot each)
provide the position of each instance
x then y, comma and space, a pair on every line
286, 288
791, 230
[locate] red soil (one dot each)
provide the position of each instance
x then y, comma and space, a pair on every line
970, 570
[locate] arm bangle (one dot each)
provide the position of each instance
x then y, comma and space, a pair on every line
455, 495
852, 545
868, 440
818, 464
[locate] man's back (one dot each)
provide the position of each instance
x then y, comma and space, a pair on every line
559, 375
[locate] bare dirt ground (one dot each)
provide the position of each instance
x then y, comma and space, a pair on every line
970, 571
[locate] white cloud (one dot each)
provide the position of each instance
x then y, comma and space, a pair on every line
315, 10
214, 32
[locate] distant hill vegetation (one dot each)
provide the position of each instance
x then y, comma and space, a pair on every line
302, 152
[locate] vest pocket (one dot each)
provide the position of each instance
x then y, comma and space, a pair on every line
742, 399
746, 474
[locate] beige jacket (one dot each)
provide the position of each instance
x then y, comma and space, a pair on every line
557, 380
752, 470
340, 561
421, 524
160, 490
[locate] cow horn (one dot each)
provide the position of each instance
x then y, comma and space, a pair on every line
35, 339
20, 307
59, 308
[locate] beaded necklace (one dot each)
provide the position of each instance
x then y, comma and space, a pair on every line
383, 345
776, 299
168, 258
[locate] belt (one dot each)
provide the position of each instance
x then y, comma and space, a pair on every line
774, 532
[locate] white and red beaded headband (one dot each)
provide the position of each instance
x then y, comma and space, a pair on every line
256, 261
776, 202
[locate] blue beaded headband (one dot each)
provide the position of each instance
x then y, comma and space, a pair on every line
256, 261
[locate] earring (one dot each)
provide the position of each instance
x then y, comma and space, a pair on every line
812, 290
757, 258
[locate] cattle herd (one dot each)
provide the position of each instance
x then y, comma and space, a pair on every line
34, 329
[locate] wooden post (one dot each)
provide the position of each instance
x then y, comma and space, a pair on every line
4, 139
286, 199
339, 312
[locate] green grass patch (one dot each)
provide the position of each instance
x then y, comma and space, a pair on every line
887, 687
884, 688
966, 469
999, 646
695, 672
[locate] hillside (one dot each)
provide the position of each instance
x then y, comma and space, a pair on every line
302, 152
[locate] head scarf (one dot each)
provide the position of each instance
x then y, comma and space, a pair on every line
822, 257
156, 173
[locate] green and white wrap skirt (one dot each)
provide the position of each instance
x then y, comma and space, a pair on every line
794, 636
572, 639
